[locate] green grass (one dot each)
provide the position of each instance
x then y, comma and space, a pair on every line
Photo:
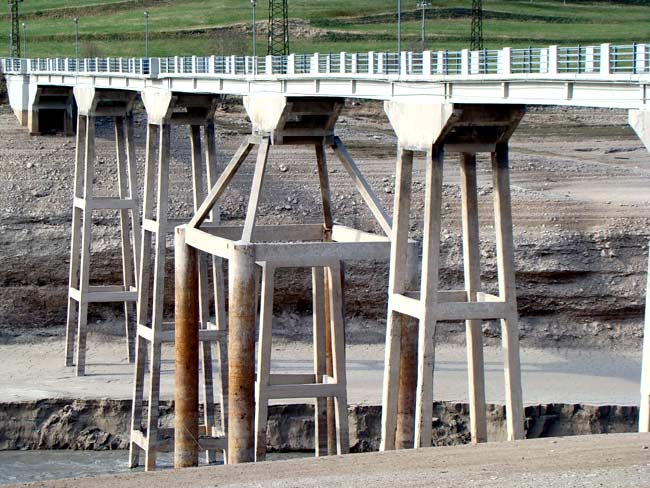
201, 27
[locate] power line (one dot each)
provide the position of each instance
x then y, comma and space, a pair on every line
278, 28
476, 39
14, 36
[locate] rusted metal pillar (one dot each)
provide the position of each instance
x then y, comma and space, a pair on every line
186, 432
408, 370
241, 353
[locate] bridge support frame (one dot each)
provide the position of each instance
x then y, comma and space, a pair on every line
281, 121
467, 129
93, 103
165, 109
639, 120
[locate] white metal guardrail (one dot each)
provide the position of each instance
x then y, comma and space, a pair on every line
599, 59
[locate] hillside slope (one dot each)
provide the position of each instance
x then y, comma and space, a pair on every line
116, 27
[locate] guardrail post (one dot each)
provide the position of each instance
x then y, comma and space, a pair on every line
552, 60
474, 62
314, 64
355, 63
604, 59
154, 67
403, 63
342, 63
371, 62
213, 63
504, 61
426, 62
269, 65
291, 64
464, 62
640, 58
440, 65
233, 64
589, 59
381, 62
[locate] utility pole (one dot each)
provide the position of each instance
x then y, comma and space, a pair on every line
399, 28
278, 28
146, 34
424, 5
476, 39
24, 40
76, 39
254, 3
14, 37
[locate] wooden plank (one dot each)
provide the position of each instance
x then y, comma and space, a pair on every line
210, 244
144, 288
396, 286
222, 183
262, 385
294, 379
342, 233
256, 190
324, 181
472, 273
487, 297
644, 406
406, 305
320, 365
328, 251
75, 244
429, 291
367, 193
271, 233
84, 271
337, 317
307, 391
506, 273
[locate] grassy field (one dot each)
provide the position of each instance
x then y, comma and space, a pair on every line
116, 27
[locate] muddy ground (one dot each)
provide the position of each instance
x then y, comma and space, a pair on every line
580, 180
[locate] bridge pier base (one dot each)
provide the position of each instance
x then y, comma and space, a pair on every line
165, 109
93, 103
639, 120
287, 121
436, 128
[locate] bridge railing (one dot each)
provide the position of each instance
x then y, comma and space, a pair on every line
551, 60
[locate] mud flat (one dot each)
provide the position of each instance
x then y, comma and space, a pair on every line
619, 460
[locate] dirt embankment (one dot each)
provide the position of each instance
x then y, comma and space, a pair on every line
580, 199
104, 424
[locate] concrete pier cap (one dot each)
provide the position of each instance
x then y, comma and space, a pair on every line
265, 111
158, 104
639, 120
419, 125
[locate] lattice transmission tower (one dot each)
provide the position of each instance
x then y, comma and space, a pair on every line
278, 28
14, 36
476, 39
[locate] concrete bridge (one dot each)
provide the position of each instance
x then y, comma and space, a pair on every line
437, 101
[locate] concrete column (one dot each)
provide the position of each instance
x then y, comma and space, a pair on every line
589, 59
186, 398
464, 62
604, 59
552, 60
426, 62
241, 353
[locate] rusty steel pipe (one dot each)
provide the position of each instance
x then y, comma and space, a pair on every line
186, 392
408, 376
242, 311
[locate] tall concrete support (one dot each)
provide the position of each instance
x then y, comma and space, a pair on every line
118, 104
285, 121
41, 108
436, 129
640, 122
186, 397
165, 109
